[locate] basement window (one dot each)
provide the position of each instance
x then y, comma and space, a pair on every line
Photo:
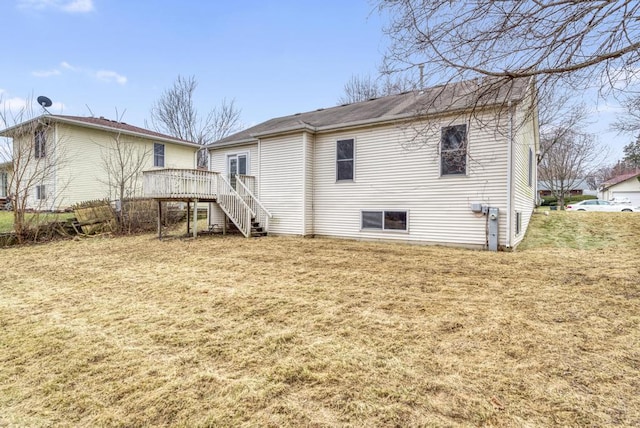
385, 220
518, 222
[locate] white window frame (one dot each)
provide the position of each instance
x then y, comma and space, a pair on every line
466, 151
382, 213
518, 223
353, 160
4, 184
235, 155
40, 144
41, 192
156, 156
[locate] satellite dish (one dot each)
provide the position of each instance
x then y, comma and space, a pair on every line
44, 101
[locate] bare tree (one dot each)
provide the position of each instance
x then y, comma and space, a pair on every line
359, 88
174, 113
34, 157
363, 88
629, 121
569, 159
559, 117
568, 41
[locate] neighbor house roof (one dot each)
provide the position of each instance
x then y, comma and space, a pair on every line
577, 184
619, 179
100, 123
451, 97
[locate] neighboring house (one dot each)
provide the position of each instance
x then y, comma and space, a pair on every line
576, 187
66, 157
623, 187
430, 166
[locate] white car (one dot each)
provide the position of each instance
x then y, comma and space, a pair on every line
600, 205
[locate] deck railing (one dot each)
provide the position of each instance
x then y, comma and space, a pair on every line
180, 183
249, 181
262, 214
234, 206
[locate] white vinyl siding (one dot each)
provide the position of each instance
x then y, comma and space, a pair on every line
391, 173
524, 192
82, 175
282, 182
308, 149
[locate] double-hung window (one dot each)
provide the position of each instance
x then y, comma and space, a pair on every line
40, 142
385, 220
40, 192
158, 155
345, 150
4, 184
453, 150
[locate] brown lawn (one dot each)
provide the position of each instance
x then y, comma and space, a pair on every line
317, 332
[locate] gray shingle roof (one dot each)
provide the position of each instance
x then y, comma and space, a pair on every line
438, 99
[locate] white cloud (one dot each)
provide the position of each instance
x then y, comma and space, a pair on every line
69, 6
46, 73
101, 75
111, 76
79, 6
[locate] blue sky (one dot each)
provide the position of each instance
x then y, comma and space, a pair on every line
273, 58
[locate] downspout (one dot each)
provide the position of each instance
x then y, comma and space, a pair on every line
509, 175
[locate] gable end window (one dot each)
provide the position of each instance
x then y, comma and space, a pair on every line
158, 155
453, 150
40, 142
385, 220
344, 159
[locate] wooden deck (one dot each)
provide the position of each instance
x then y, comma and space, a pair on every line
194, 186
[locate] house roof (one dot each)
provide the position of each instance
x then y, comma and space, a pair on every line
451, 97
100, 123
577, 184
619, 179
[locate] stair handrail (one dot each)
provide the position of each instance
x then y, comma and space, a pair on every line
254, 198
234, 211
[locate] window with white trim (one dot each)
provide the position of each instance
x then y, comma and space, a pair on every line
4, 184
345, 150
518, 222
453, 150
40, 143
40, 192
385, 220
158, 155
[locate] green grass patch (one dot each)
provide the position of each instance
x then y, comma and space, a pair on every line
569, 229
6, 219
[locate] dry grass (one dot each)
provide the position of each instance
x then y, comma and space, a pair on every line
302, 332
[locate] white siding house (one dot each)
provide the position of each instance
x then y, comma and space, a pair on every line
624, 187
64, 157
416, 167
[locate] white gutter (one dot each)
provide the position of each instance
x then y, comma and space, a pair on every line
509, 174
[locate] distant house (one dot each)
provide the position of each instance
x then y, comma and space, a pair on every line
74, 150
576, 187
622, 187
430, 166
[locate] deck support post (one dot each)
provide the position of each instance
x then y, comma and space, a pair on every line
188, 217
195, 218
159, 219
224, 224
